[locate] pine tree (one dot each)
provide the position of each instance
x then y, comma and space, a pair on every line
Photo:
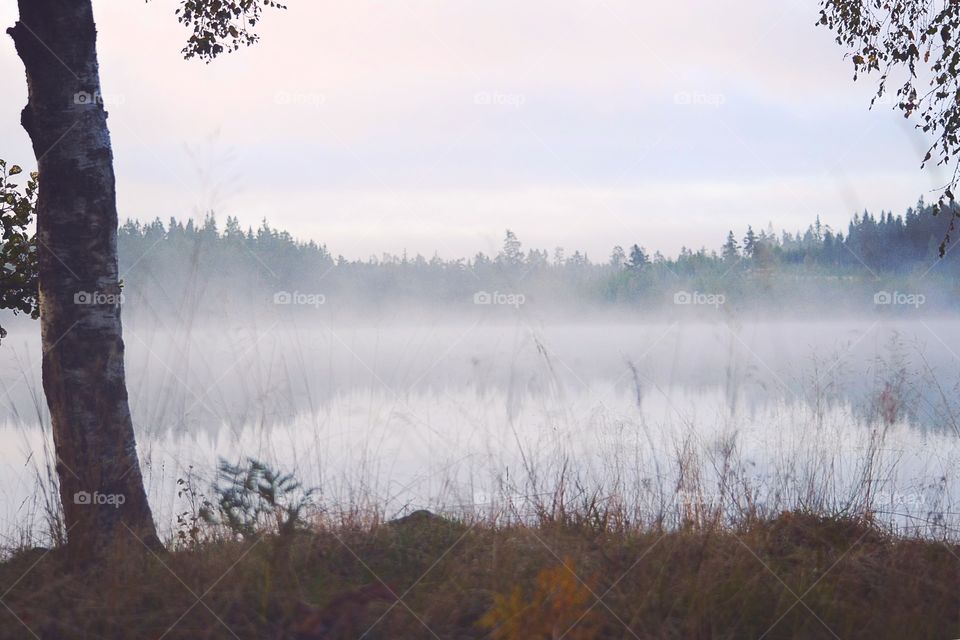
638, 258
749, 242
731, 249
512, 253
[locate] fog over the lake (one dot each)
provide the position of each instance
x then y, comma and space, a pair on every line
458, 384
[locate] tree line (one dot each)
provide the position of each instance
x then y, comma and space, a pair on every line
230, 263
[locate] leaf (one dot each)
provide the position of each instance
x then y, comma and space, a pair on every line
15, 169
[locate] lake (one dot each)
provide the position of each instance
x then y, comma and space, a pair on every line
492, 415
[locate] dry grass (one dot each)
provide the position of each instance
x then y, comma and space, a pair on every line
794, 576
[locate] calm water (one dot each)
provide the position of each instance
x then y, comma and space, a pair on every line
465, 415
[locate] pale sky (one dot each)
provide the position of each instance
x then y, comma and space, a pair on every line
376, 125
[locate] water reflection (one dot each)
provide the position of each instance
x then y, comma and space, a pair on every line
453, 414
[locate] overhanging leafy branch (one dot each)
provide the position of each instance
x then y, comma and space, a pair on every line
19, 285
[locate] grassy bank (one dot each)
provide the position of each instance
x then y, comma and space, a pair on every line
795, 576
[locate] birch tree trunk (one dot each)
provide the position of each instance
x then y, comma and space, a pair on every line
101, 487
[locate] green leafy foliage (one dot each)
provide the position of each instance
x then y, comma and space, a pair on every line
252, 498
18, 250
918, 38
221, 26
